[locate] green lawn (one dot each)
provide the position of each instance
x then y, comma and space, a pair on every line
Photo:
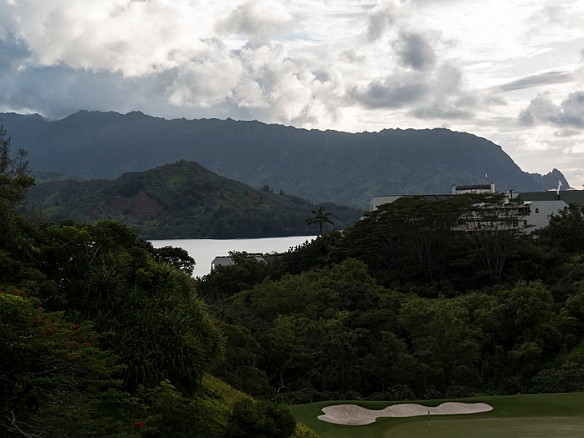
518, 416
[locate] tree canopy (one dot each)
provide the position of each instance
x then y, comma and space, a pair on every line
420, 299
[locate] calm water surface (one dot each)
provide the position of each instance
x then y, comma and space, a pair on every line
205, 250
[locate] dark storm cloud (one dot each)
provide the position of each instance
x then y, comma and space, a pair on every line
553, 77
415, 51
541, 110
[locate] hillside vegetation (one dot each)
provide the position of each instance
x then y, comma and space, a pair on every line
405, 306
103, 335
182, 200
321, 166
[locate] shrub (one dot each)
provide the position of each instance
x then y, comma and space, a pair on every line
165, 412
262, 419
303, 431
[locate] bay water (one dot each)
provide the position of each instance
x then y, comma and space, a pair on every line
205, 250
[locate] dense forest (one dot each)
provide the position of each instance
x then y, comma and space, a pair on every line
103, 335
407, 305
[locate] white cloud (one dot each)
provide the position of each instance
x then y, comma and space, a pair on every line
133, 38
339, 64
277, 88
381, 18
206, 79
258, 20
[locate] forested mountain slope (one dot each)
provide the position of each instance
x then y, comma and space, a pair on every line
182, 200
346, 168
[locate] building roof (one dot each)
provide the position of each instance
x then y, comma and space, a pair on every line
474, 187
568, 196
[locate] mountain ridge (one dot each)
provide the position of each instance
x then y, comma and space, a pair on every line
341, 167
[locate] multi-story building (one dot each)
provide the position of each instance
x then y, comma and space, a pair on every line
527, 210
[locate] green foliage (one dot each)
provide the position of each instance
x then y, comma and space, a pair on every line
320, 217
303, 431
219, 390
53, 375
180, 200
461, 242
118, 317
149, 312
245, 272
162, 411
444, 341
238, 367
565, 379
262, 419
177, 257
14, 173
327, 329
566, 229
315, 331
409, 238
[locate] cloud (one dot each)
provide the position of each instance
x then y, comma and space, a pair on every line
548, 78
278, 88
555, 21
132, 38
573, 110
394, 91
441, 111
258, 20
436, 94
570, 113
207, 79
415, 51
380, 19
12, 54
351, 56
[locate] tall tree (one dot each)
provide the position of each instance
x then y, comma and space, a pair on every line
320, 217
14, 173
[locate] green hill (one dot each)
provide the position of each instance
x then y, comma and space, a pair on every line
182, 200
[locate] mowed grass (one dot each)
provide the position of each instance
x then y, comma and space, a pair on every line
517, 416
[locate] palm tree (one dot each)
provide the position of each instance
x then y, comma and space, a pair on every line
320, 217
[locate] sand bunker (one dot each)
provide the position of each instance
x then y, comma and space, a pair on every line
357, 415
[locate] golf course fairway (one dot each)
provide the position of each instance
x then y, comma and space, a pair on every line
517, 416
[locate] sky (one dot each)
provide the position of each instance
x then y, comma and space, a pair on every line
511, 71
